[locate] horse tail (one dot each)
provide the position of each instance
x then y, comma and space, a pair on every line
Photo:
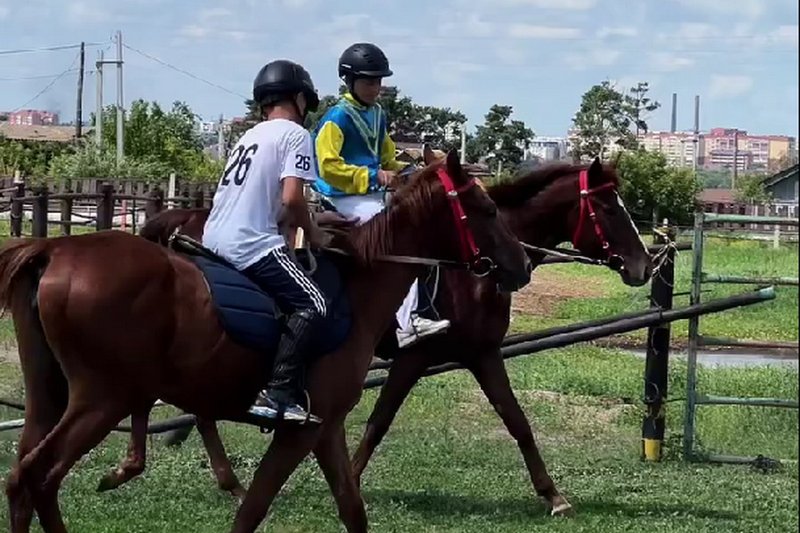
159, 228
15, 256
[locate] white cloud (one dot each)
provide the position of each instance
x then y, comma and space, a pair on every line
214, 13
452, 73
621, 31
668, 62
569, 5
509, 53
4, 12
532, 31
596, 57
729, 85
745, 8
691, 31
82, 11
787, 34
471, 26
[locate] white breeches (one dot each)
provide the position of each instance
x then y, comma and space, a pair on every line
365, 207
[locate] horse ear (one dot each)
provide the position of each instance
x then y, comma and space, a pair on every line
595, 173
428, 157
454, 167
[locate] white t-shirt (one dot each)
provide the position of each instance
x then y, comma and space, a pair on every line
242, 226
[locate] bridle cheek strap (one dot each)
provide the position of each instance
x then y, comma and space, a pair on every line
470, 252
587, 211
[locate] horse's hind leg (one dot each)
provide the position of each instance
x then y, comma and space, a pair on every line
221, 466
135, 460
84, 425
332, 456
45, 401
491, 374
403, 375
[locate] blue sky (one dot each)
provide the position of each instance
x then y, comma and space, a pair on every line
540, 56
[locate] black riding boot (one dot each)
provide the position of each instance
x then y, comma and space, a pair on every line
281, 400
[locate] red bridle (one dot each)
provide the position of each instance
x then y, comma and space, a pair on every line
470, 253
587, 210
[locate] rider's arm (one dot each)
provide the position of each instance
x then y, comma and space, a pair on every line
388, 155
297, 170
351, 179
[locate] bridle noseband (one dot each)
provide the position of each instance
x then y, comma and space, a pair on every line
470, 253
614, 261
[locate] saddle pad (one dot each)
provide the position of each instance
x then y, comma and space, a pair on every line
251, 317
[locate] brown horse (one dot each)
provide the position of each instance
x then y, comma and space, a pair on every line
543, 209
108, 322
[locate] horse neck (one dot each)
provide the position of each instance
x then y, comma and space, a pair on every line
544, 219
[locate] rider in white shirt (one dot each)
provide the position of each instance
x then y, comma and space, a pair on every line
260, 189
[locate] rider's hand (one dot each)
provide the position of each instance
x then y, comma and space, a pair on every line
318, 239
385, 177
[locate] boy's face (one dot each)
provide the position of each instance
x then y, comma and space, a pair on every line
367, 89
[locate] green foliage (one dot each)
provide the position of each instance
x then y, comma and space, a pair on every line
714, 179
501, 139
651, 188
30, 158
606, 116
750, 189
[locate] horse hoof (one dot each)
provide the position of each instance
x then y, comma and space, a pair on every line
561, 507
109, 482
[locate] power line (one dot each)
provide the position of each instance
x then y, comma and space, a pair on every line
46, 48
42, 76
49, 85
182, 71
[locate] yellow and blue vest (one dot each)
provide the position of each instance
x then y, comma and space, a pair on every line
351, 145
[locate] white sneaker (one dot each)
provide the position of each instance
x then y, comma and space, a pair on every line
420, 328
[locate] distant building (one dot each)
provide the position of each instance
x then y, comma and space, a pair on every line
33, 117
548, 148
785, 187
752, 152
679, 147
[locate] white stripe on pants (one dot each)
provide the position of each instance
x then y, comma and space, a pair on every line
365, 207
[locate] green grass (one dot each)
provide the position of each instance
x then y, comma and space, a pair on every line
772, 320
448, 465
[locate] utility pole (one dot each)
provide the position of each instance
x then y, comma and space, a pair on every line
696, 136
735, 158
79, 110
220, 140
98, 116
120, 129
463, 142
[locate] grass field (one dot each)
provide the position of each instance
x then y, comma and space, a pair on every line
448, 464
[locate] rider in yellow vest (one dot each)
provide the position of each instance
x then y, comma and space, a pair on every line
356, 160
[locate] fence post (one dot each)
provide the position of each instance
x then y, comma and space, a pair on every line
694, 337
40, 206
155, 203
199, 197
776, 236
105, 207
66, 213
17, 207
657, 361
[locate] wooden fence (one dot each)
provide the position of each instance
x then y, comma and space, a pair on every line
98, 203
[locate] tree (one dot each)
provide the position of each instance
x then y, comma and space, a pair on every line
652, 190
750, 189
604, 117
638, 105
500, 138
786, 160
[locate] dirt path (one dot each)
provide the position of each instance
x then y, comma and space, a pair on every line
548, 289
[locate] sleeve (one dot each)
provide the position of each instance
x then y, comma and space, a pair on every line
388, 155
351, 179
297, 160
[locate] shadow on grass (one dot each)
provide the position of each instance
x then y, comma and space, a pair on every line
435, 504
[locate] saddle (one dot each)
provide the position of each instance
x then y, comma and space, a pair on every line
250, 316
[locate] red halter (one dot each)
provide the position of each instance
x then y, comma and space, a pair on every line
587, 209
470, 253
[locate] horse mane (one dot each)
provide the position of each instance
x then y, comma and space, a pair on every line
410, 203
161, 226
520, 189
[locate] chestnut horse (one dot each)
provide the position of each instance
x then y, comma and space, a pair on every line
108, 322
543, 208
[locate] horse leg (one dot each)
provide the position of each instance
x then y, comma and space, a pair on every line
332, 456
289, 446
403, 375
135, 460
82, 427
490, 372
221, 466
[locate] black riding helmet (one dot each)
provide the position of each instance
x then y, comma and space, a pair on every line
362, 60
281, 80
